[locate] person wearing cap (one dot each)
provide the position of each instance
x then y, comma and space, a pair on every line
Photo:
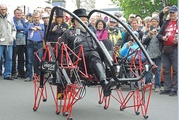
151, 42
168, 38
91, 53
131, 17
114, 33
29, 18
119, 14
19, 47
58, 26
45, 18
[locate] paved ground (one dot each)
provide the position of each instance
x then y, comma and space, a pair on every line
16, 103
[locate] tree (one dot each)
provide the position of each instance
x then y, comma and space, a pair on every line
143, 7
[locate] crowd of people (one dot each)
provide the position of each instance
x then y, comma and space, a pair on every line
22, 35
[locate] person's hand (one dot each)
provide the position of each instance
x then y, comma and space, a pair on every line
63, 29
130, 43
166, 9
34, 28
59, 39
165, 38
152, 32
175, 40
55, 28
38, 27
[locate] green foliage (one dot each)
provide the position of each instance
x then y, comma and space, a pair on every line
143, 7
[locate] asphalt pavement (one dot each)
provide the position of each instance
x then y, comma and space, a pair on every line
17, 98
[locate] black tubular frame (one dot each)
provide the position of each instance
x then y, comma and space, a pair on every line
104, 52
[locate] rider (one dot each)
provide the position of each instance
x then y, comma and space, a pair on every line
78, 35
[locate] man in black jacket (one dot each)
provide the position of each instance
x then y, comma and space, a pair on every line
72, 38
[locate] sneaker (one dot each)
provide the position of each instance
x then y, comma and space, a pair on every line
173, 93
8, 78
157, 89
164, 92
14, 76
28, 79
24, 75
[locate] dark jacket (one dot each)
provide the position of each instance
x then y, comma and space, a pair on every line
54, 35
72, 40
161, 20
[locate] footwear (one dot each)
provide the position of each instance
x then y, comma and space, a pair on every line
24, 75
157, 89
164, 92
107, 87
14, 76
173, 93
8, 78
28, 79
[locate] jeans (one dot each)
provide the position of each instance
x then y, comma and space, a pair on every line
8, 59
157, 61
31, 48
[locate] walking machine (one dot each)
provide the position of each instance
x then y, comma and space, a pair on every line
68, 82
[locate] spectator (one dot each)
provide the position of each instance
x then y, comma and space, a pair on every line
29, 18
19, 47
45, 18
91, 25
140, 21
119, 14
131, 17
130, 47
152, 43
40, 11
58, 26
135, 27
48, 10
98, 16
114, 33
147, 25
7, 36
34, 43
101, 32
168, 37
23, 17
